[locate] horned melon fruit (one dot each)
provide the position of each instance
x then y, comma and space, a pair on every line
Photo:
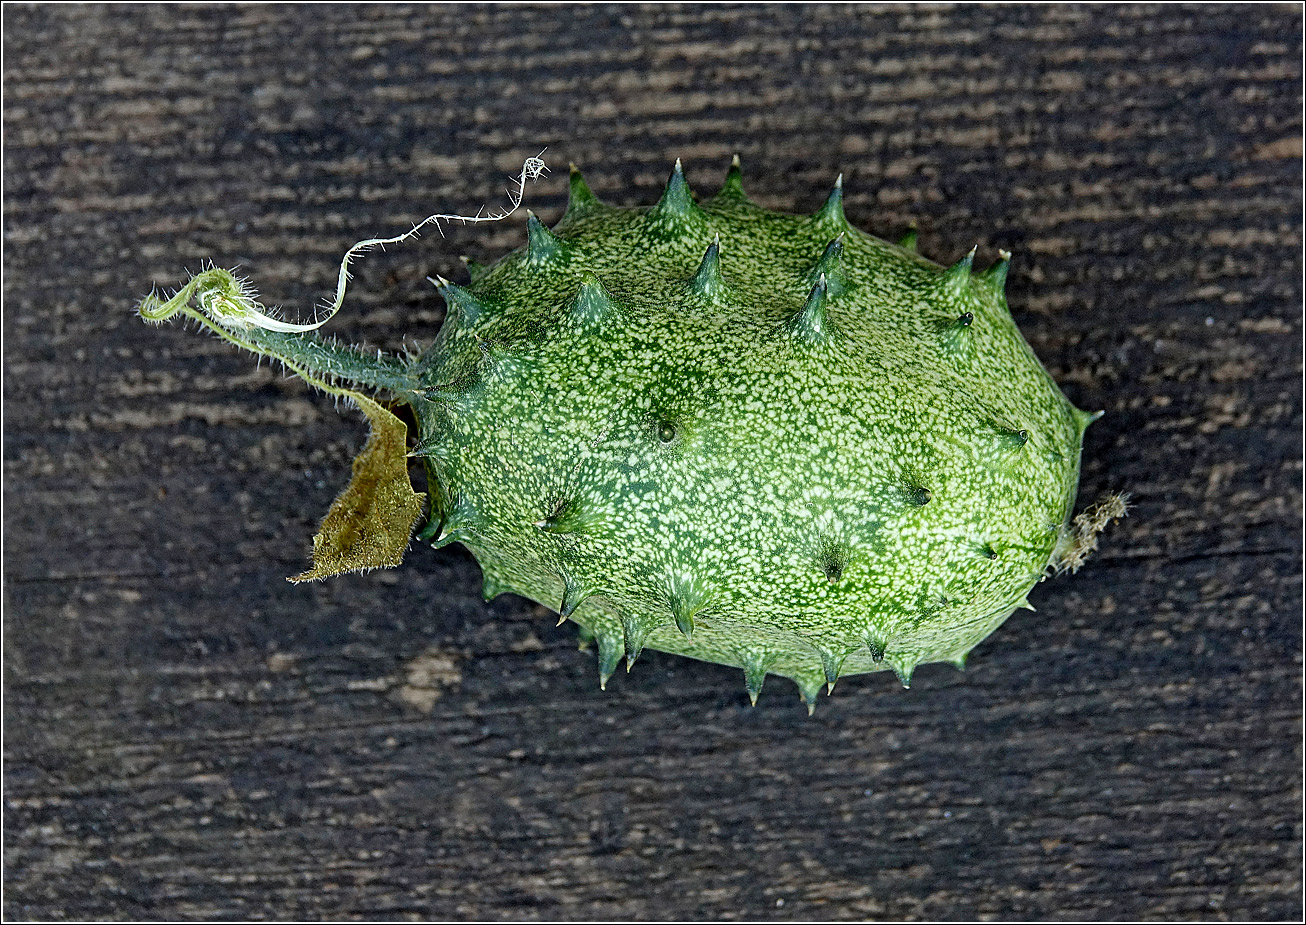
757, 439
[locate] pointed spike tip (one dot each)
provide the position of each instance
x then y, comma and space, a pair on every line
830, 215
876, 643
567, 517
475, 269
579, 196
542, 245
676, 197
457, 522
809, 688
755, 666
686, 599
957, 278
831, 666
832, 256
733, 188
904, 671
811, 322
635, 632
445, 539
830, 265
996, 275
573, 595
707, 281
468, 306
610, 652
428, 446
592, 305
676, 216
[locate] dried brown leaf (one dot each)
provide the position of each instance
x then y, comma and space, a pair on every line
370, 523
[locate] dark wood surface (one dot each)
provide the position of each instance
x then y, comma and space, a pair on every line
188, 735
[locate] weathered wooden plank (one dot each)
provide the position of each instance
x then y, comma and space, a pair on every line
187, 735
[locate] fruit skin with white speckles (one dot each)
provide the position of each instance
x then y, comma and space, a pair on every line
757, 439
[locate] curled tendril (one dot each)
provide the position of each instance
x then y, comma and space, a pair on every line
224, 297
228, 307
231, 302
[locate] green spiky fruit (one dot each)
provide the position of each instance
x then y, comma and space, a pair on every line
756, 439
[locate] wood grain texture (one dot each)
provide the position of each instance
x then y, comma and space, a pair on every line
188, 735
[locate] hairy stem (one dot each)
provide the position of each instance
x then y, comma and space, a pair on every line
228, 308
332, 360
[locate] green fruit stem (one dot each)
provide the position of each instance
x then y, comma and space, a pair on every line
226, 306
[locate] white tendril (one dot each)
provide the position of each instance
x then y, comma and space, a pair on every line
248, 311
